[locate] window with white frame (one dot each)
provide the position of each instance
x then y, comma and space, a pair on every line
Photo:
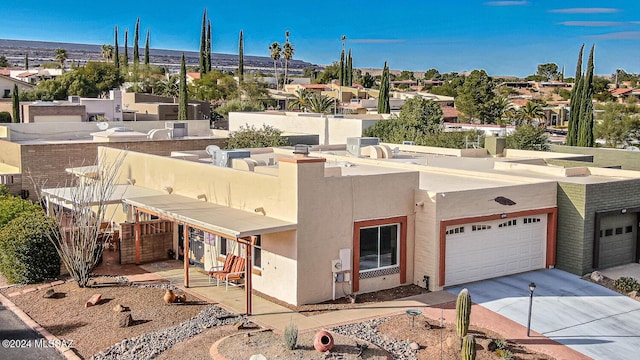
223, 246
379, 246
257, 252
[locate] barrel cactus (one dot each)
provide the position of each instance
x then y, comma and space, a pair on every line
469, 347
463, 313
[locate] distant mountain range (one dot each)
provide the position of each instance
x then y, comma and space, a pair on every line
43, 51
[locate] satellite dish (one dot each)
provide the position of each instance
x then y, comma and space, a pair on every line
211, 149
103, 125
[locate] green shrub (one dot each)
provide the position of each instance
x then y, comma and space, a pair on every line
627, 284
251, 137
12, 206
501, 344
239, 106
291, 336
27, 254
4, 190
504, 354
5, 117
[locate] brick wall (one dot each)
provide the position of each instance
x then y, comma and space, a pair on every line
46, 163
31, 111
155, 240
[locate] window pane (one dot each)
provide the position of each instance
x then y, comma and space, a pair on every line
257, 257
223, 246
388, 245
368, 248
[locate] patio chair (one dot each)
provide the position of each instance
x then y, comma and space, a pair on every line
224, 269
234, 275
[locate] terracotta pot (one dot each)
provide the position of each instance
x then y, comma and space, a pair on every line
323, 341
169, 297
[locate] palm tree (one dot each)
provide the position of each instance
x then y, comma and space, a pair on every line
287, 52
275, 51
504, 110
531, 111
169, 86
318, 103
61, 56
301, 101
107, 52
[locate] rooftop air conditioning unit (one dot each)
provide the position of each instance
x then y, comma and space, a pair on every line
178, 129
223, 158
355, 144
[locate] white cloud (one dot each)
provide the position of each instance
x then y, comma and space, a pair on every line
623, 35
585, 11
506, 3
591, 23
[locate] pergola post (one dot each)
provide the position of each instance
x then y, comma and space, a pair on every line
185, 252
136, 233
247, 282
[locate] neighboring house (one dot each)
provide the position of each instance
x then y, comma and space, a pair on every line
623, 94
415, 215
148, 107
7, 84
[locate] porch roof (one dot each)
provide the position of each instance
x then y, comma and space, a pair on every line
67, 195
219, 219
6, 169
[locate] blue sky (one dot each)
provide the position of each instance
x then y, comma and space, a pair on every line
501, 37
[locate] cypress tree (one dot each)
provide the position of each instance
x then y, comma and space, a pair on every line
26, 61
349, 70
208, 55
241, 58
15, 100
182, 102
116, 56
383, 96
574, 105
146, 48
342, 72
136, 36
126, 47
585, 124
203, 44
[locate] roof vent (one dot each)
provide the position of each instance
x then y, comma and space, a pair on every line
301, 149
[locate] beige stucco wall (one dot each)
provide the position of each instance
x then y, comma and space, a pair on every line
470, 203
329, 129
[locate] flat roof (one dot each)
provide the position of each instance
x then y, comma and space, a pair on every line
66, 196
219, 219
6, 169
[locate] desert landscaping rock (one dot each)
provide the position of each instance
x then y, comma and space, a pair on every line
597, 276
150, 345
49, 294
125, 320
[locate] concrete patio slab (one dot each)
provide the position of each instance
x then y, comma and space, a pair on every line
586, 317
628, 270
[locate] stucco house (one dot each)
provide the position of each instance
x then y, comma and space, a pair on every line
334, 221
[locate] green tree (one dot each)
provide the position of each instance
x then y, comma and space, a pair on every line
585, 124
169, 86
116, 50
26, 254
183, 101
531, 111
301, 99
15, 102
574, 107
4, 62
241, 58
331, 72
146, 48
342, 72
251, 137
203, 44
106, 51
423, 114
61, 56
383, 98
274, 52
208, 47
432, 74
475, 98
367, 81
5, 118
213, 86
26, 61
287, 53
318, 103
136, 37
126, 47
548, 71
349, 70
529, 137
237, 105
615, 125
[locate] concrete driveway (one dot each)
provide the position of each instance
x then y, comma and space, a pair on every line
588, 318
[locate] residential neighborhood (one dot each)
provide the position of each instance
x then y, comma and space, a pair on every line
160, 203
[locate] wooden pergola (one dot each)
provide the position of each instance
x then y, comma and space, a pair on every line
235, 224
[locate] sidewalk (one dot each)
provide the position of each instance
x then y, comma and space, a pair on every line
433, 305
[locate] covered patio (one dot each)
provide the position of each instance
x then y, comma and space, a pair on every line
230, 223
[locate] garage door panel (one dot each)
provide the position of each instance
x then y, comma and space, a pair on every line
617, 240
495, 251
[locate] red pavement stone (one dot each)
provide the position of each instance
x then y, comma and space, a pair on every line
44, 286
510, 330
57, 282
14, 294
26, 291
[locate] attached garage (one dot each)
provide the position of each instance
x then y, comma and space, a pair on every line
618, 240
488, 249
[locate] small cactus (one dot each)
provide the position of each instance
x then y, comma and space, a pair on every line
469, 347
291, 336
463, 313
